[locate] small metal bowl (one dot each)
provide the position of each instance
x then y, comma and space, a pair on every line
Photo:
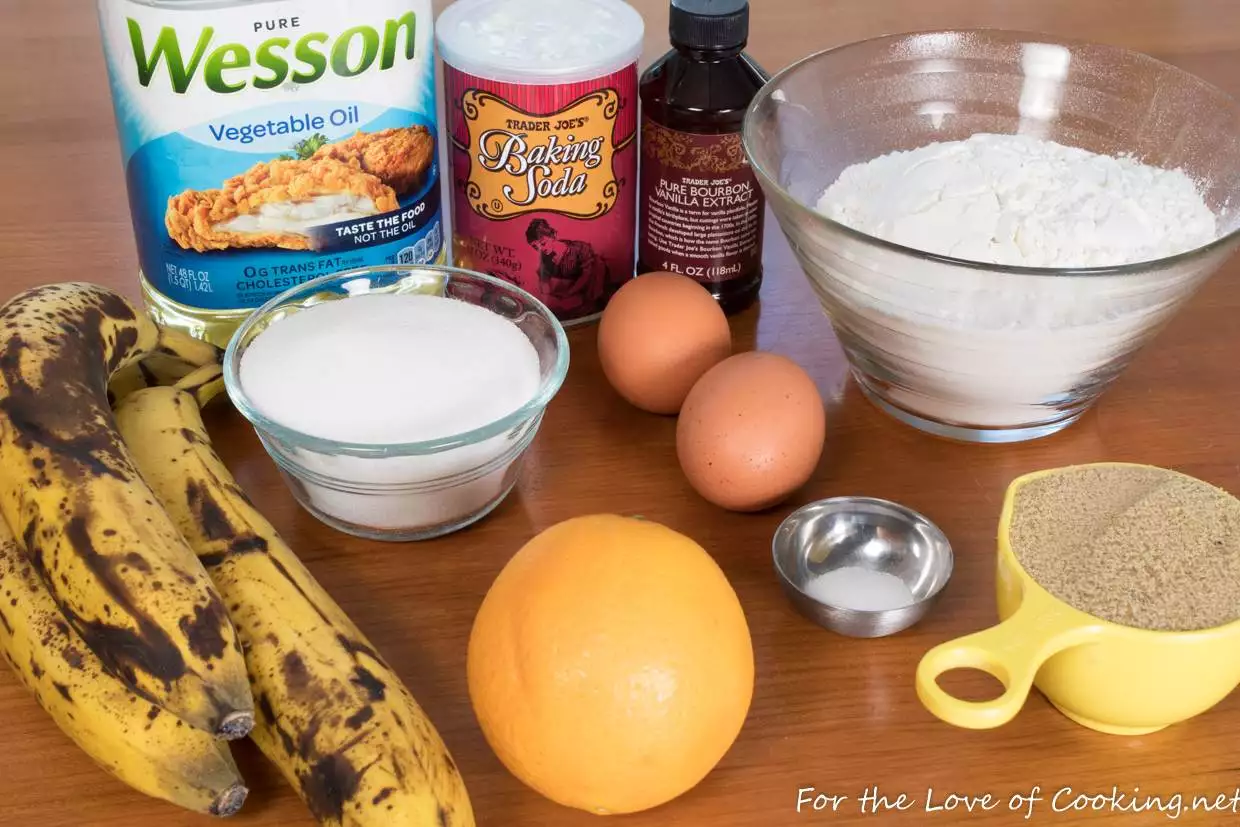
866, 533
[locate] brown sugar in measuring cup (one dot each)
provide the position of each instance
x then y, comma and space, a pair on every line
1107, 676
1137, 546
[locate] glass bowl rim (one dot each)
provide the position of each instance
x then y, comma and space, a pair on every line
748, 139
547, 390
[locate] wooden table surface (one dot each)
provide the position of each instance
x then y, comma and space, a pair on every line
836, 714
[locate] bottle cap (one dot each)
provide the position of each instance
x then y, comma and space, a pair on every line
709, 25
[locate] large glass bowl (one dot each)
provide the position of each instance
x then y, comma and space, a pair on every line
415, 490
972, 351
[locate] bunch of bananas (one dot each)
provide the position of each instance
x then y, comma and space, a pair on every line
148, 604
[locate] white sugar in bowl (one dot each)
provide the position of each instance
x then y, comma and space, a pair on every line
398, 401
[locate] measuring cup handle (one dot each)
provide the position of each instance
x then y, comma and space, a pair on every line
1012, 652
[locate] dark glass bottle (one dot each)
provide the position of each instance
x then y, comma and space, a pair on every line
701, 208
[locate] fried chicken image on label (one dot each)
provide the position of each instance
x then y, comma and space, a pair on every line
276, 204
399, 157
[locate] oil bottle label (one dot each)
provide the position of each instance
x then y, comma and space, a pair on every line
544, 185
268, 144
701, 206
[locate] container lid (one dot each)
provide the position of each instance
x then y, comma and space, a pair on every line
539, 41
709, 25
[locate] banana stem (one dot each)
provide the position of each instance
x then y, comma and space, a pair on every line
188, 349
204, 384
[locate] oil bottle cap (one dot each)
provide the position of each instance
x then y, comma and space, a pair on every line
709, 25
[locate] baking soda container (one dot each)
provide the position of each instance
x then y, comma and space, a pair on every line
268, 143
542, 106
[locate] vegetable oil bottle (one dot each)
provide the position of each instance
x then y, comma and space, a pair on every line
269, 142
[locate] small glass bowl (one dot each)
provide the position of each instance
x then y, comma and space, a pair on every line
418, 490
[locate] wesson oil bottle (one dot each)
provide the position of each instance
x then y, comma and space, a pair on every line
701, 207
266, 144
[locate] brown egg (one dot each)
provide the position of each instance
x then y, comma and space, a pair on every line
751, 431
658, 335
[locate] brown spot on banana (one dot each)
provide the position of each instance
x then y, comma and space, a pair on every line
124, 343
29, 535
264, 707
193, 437
357, 647
249, 544
77, 435
207, 512
297, 678
305, 739
206, 630
139, 562
72, 657
149, 649
375, 688
284, 572
357, 719
328, 785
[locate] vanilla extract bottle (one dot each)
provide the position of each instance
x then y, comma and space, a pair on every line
701, 207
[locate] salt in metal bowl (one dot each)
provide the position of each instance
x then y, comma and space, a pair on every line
868, 533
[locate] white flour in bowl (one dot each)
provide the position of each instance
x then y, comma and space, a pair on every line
1023, 202
973, 348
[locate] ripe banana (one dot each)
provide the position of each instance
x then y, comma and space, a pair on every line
138, 743
112, 559
333, 716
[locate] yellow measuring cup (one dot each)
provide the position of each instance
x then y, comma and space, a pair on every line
1111, 678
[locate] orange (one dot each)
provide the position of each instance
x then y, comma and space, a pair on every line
610, 665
